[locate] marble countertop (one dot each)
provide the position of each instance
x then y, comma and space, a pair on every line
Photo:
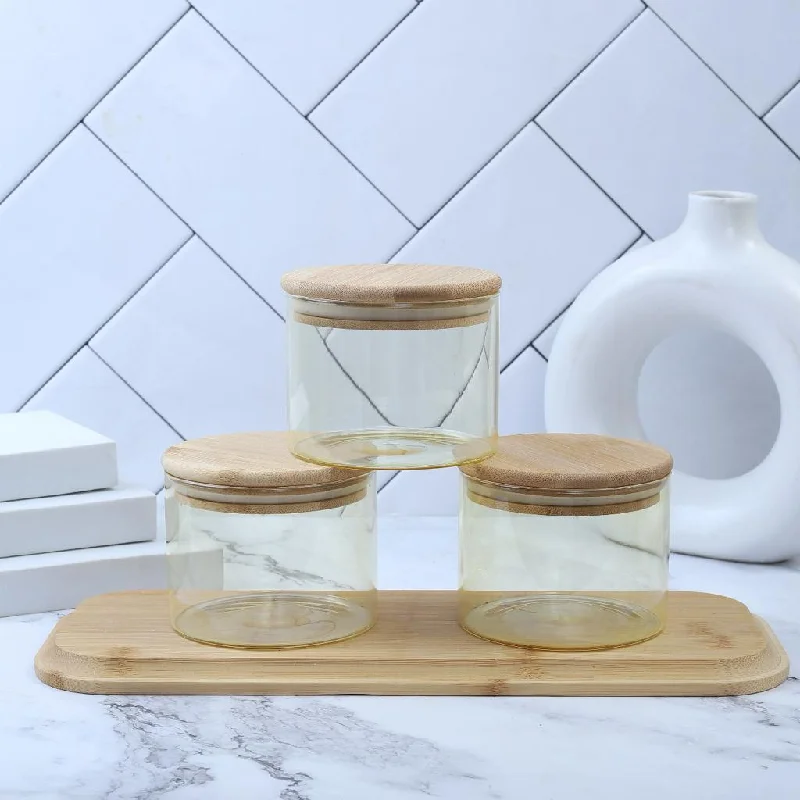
59, 745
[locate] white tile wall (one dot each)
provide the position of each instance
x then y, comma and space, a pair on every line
77, 239
785, 119
58, 60
522, 394
543, 343
304, 48
510, 218
238, 163
234, 140
430, 106
753, 46
207, 353
663, 125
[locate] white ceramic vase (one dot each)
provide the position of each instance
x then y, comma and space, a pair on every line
715, 271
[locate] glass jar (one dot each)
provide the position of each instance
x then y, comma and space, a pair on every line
392, 366
564, 542
265, 550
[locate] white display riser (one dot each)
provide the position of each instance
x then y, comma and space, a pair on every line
43, 454
53, 581
88, 519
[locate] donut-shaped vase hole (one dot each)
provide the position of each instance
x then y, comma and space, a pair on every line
710, 400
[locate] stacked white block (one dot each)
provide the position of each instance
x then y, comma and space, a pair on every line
67, 531
52, 581
43, 454
73, 521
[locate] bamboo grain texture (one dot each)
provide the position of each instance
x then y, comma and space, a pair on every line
570, 461
389, 284
123, 644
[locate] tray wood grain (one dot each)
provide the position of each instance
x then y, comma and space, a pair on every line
123, 643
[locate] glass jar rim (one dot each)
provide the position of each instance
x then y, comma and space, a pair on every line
422, 304
621, 492
315, 489
397, 316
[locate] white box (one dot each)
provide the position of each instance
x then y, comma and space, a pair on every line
43, 454
49, 582
53, 581
73, 521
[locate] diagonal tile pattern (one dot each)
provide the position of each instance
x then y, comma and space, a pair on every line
784, 119
430, 106
87, 391
234, 160
167, 162
201, 347
510, 219
304, 49
753, 47
653, 140
58, 59
79, 237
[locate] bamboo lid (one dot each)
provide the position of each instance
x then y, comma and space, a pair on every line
389, 284
250, 461
564, 461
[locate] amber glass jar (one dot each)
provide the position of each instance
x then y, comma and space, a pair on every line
392, 366
265, 550
564, 542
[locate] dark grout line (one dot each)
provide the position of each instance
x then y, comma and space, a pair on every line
381, 488
405, 243
604, 192
107, 320
514, 358
795, 153
93, 107
297, 110
700, 58
464, 388
463, 186
353, 381
531, 121
149, 280
590, 62
726, 84
624, 250
195, 233
140, 396
539, 352
365, 177
564, 310
362, 59
780, 99
39, 162
554, 320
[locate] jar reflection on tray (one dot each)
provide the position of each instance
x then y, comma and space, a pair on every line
392, 366
564, 542
264, 550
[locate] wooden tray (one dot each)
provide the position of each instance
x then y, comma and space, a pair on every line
123, 644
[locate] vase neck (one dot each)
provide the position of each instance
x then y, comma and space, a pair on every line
729, 217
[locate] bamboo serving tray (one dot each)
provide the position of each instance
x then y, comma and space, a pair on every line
123, 644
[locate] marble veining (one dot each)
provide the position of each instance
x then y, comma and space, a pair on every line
56, 745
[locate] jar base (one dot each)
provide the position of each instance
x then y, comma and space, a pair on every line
394, 448
274, 620
555, 621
